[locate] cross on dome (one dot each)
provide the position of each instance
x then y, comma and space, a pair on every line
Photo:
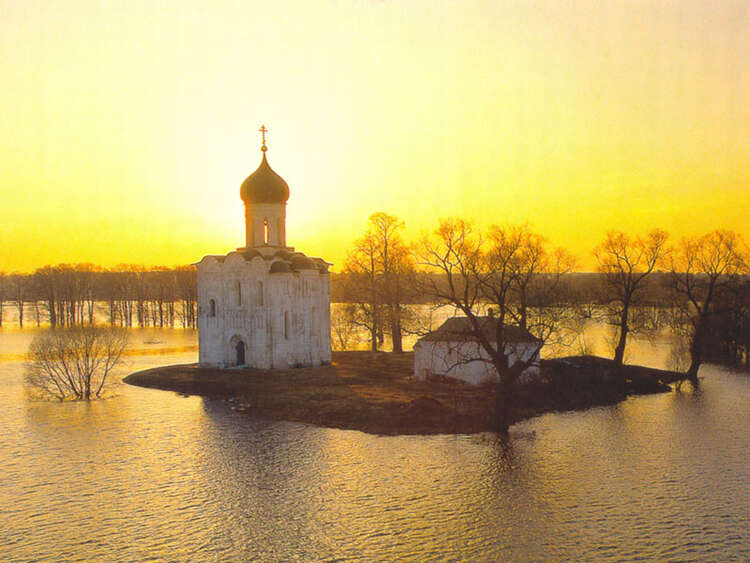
264, 185
263, 132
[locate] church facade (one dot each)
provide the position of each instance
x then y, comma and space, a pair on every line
264, 305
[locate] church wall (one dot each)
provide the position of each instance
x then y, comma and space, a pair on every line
301, 297
302, 306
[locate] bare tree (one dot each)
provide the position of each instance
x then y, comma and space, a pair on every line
477, 271
704, 269
626, 262
396, 269
378, 280
46, 285
343, 329
74, 363
3, 284
187, 290
18, 286
362, 272
536, 290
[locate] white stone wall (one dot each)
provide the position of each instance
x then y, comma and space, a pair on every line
285, 322
467, 361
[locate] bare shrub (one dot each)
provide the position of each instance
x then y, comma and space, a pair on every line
74, 363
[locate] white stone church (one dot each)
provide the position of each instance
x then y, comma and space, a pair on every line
264, 305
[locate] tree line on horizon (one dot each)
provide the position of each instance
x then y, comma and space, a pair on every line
701, 281
68, 295
698, 287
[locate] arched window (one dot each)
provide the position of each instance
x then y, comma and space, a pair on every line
238, 292
266, 232
286, 325
211, 308
259, 299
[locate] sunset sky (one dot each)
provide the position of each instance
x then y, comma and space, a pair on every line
127, 127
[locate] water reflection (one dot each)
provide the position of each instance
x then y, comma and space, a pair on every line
150, 474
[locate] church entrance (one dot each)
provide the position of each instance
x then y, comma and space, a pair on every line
240, 349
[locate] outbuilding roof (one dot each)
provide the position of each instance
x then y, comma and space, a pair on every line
460, 329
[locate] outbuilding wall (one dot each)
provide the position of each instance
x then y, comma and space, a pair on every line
466, 361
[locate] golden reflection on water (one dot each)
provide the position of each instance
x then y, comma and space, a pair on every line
14, 342
150, 474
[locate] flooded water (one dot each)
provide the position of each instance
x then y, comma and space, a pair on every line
150, 475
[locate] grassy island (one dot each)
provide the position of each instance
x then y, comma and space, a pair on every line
377, 393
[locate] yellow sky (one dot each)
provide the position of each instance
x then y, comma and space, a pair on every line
127, 127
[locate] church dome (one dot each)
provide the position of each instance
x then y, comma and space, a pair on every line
264, 185
280, 267
302, 262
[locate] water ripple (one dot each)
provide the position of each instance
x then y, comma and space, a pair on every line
150, 475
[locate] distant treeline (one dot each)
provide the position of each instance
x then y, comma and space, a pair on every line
138, 296
728, 334
67, 295
575, 288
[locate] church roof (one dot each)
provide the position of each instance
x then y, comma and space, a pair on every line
282, 261
280, 267
264, 185
459, 329
302, 262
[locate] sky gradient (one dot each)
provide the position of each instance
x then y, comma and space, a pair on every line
128, 128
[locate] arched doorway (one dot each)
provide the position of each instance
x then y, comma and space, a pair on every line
240, 351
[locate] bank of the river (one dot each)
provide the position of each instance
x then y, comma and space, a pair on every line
376, 393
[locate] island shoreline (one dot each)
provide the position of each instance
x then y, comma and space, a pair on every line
375, 392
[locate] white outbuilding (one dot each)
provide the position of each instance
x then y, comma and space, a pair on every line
453, 350
264, 305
